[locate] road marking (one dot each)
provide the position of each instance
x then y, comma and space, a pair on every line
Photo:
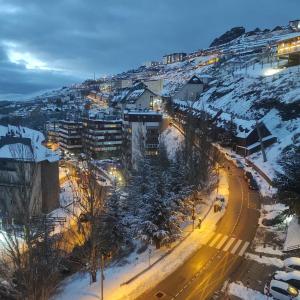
236, 246
222, 242
214, 241
244, 249
227, 246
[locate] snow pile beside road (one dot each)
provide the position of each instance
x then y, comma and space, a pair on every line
268, 250
293, 236
239, 290
270, 212
265, 260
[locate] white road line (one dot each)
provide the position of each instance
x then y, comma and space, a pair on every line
236, 246
215, 240
222, 242
227, 246
244, 248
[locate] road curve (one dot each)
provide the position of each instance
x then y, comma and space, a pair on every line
205, 271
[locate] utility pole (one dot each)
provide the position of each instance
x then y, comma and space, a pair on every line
102, 276
261, 142
193, 212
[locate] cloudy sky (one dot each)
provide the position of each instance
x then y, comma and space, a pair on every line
47, 44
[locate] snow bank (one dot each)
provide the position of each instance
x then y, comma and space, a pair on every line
268, 250
293, 235
239, 290
265, 260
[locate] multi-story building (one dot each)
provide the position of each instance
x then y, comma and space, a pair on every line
289, 49
141, 130
70, 135
52, 130
295, 25
137, 97
173, 57
29, 181
102, 134
151, 63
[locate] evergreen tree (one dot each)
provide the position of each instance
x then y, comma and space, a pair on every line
289, 181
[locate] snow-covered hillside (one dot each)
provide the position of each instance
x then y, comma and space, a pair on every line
247, 83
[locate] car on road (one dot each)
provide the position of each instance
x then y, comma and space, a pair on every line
248, 175
239, 164
292, 278
292, 264
252, 184
283, 291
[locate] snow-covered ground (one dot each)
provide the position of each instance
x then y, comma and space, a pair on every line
172, 139
271, 211
78, 286
293, 235
239, 290
265, 260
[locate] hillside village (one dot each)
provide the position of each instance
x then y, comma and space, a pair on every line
242, 93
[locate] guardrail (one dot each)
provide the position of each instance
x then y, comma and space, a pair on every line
254, 166
260, 172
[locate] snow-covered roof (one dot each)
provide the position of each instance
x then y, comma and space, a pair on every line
292, 261
22, 143
134, 95
289, 36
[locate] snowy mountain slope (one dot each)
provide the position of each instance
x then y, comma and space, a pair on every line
247, 84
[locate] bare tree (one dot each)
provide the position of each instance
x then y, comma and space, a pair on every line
30, 257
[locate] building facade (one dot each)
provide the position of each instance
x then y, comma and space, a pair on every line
102, 135
141, 131
295, 25
289, 49
70, 135
191, 90
29, 180
174, 57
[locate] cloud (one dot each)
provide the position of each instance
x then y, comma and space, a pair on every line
45, 42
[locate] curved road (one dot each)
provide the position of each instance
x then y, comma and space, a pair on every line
205, 271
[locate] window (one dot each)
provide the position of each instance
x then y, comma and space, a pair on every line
279, 290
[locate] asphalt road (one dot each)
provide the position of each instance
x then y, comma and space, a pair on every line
206, 271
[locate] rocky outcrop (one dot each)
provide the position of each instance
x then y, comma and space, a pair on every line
228, 36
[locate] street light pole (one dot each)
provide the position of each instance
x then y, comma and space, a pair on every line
102, 276
193, 212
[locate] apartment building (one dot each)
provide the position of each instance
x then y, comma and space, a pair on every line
174, 57
141, 130
102, 134
70, 135
29, 178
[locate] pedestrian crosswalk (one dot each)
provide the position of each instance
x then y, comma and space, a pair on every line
228, 244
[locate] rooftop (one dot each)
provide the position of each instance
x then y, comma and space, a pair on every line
24, 144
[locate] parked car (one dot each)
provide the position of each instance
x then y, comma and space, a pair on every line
239, 164
283, 291
252, 184
292, 264
248, 175
292, 278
